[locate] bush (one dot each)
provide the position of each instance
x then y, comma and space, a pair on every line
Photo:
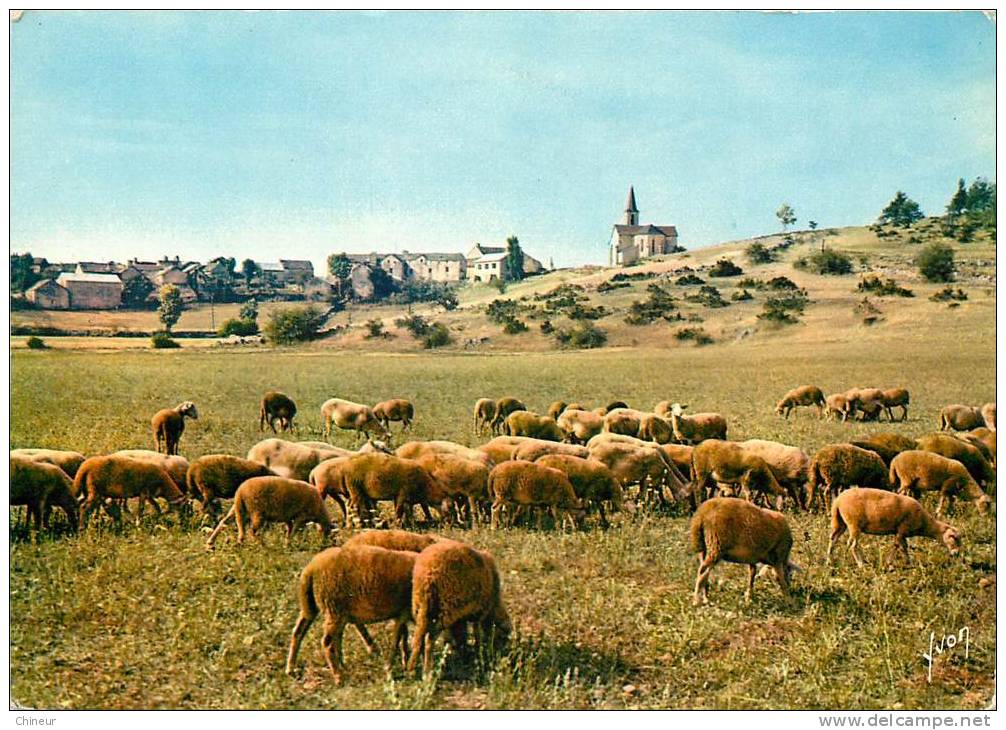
782, 283
437, 336
578, 311
827, 262
423, 290
290, 325
607, 286
936, 262
36, 343
632, 276
725, 267
415, 324
783, 308
698, 335
502, 310
546, 327
660, 303
750, 283
162, 340
689, 280
883, 287
375, 329
514, 327
948, 294
584, 336
708, 296
759, 253
241, 327
741, 296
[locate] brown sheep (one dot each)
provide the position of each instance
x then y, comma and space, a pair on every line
351, 416
214, 477
681, 456
623, 421
368, 478
805, 395
879, 512
501, 448
290, 459
459, 478
986, 436
789, 464
579, 425
504, 407
734, 530
483, 414
955, 448
168, 424
960, 418
556, 408
641, 463
68, 461
419, 449
913, 472
410, 542
527, 483
276, 406
654, 428
120, 478
396, 409
614, 405
274, 499
886, 445
982, 446
176, 466
359, 585
663, 409
840, 466
724, 462
531, 425
988, 412
453, 584
837, 404
534, 449
593, 482
698, 427
865, 399
40, 486
894, 397
870, 410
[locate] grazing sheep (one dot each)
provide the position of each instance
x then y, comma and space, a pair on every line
960, 418
865, 399
789, 465
870, 410
698, 427
214, 477
840, 466
654, 428
501, 448
575, 407
921, 471
367, 478
289, 459
168, 424
359, 585
351, 416
483, 414
885, 445
418, 449
527, 483
459, 478
646, 465
396, 409
276, 406
593, 482
579, 425
723, 462
954, 448
894, 397
531, 425
838, 405
970, 438
623, 421
681, 456
556, 408
274, 499
804, 395
614, 405
119, 478
986, 436
410, 542
40, 486
879, 512
988, 412
504, 407
68, 461
734, 530
534, 449
177, 467
453, 584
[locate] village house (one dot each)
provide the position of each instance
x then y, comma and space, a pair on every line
485, 263
92, 291
442, 267
297, 271
47, 294
632, 242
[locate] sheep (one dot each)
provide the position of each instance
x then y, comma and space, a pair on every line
734, 530
986, 436
982, 446
168, 424
483, 414
804, 395
960, 418
358, 584
698, 427
988, 412
534, 449
504, 407
885, 445
119, 478
214, 477
593, 482
870, 410
459, 478
915, 471
864, 399
954, 448
681, 456
274, 499
894, 397
840, 466
663, 409
501, 448
276, 406
579, 425
531, 425
838, 405
528, 483
725, 462
176, 466
879, 512
556, 408
409, 542
614, 405
633, 464
789, 465
654, 428
68, 461
396, 409
623, 421
453, 584
289, 459
351, 416
418, 449
40, 486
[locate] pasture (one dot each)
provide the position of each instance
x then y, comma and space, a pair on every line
146, 618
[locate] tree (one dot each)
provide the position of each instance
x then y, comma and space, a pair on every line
813, 225
136, 290
936, 262
249, 270
249, 310
171, 306
901, 211
21, 275
294, 324
959, 202
981, 196
514, 259
384, 285
339, 266
786, 216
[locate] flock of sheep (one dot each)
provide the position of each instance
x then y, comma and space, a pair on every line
569, 462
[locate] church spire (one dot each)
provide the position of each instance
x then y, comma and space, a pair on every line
631, 211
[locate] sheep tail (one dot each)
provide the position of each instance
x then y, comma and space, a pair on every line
213, 535
79, 486
308, 604
698, 538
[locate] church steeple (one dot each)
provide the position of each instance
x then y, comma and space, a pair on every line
631, 211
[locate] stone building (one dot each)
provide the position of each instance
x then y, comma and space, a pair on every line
486, 263
631, 241
92, 291
47, 294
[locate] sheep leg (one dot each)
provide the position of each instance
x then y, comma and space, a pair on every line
232, 512
418, 639
604, 520
304, 621
939, 507
854, 545
368, 640
752, 572
702, 580
401, 640
782, 575
331, 644
494, 522
837, 528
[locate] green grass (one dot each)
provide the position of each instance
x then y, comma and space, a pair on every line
145, 617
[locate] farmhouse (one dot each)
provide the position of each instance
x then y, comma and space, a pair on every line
486, 263
92, 291
436, 266
47, 294
632, 242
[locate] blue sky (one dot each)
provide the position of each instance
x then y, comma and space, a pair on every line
298, 134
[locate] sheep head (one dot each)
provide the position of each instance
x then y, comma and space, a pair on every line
188, 408
677, 409
951, 538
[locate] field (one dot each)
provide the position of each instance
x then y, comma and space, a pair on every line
146, 618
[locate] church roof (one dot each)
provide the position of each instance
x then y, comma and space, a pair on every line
649, 229
630, 204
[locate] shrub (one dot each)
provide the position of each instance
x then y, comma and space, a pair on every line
424, 290
514, 327
633, 276
697, 334
827, 262
708, 296
584, 336
750, 283
289, 325
162, 340
249, 310
36, 343
759, 253
241, 327
936, 262
883, 287
546, 327
741, 296
660, 303
415, 324
948, 294
437, 336
501, 310
782, 283
725, 267
375, 329
607, 286
783, 308
689, 280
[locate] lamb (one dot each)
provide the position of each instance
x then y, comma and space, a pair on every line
501, 448
579, 425
654, 428
593, 482
119, 478
504, 407
734, 530
789, 465
274, 499
410, 542
453, 584
40, 486
698, 427
418, 449
176, 466
915, 471
68, 461
531, 425
724, 462
988, 412
960, 418
556, 408
886, 445
459, 478
396, 409
276, 406
290, 460
534, 449
894, 397
804, 395
840, 466
954, 448
879, 512
527, 483
359, 584
483, 414
351, 416
214, 477
168, 424
838, 405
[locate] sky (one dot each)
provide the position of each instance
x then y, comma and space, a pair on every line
271, 135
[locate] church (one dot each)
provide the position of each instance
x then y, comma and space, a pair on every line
632, 242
